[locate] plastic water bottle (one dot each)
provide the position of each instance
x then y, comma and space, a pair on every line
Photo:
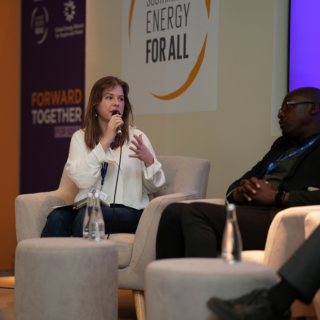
231, 241
87, 216
96, 228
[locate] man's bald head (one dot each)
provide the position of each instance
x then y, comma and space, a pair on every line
310, 93
300, 115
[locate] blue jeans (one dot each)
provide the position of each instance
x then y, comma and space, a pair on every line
64, 222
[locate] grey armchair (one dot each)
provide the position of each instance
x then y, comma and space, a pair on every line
186, 179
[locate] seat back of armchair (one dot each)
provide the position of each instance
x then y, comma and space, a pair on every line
184, 173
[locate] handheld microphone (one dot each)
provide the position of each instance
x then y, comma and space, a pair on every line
119, 129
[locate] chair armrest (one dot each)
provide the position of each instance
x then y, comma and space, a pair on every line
286, 234
144, 244
311, 222
32, 211
220, 202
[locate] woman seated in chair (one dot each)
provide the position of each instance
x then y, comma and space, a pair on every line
97, 146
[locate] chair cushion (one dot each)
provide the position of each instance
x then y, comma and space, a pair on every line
124, 243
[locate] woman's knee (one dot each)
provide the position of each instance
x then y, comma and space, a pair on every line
58, 224
80, 215
77, 227
55, 217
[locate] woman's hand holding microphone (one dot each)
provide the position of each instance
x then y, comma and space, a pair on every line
141, 151
115, 122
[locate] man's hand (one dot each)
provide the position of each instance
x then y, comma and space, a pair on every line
246, 190
259, 191
266, 194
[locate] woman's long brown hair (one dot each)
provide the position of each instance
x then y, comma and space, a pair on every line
91, 126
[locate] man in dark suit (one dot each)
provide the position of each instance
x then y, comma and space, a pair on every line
287, 176
300, 280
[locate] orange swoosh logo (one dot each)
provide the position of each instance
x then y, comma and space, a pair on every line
130, 19
196, 67
208, 3
190, 79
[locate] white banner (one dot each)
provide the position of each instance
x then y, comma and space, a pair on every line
170, 55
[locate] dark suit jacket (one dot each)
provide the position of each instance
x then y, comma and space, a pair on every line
304, 173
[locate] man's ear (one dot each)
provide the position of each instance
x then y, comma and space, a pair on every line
314, 109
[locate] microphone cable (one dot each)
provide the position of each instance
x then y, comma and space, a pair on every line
115, 190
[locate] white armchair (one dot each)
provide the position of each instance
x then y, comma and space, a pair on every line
186, 179
288, 230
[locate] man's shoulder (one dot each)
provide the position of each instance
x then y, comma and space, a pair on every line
286, 142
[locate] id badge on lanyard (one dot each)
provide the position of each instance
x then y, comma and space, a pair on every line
103, 195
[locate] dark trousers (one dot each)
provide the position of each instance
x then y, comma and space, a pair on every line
196, 229
302, 270
64, 222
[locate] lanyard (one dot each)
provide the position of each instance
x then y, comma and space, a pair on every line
274, 163
104, 166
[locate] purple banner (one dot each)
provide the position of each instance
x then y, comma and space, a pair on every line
52, 88
304, 65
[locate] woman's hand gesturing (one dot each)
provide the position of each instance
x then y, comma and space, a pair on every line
141, 152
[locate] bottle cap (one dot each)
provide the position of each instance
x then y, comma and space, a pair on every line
231, 207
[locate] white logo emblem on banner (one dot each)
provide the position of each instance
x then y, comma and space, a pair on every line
69, 10
170, 55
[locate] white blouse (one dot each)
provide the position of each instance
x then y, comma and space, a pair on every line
135, 181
